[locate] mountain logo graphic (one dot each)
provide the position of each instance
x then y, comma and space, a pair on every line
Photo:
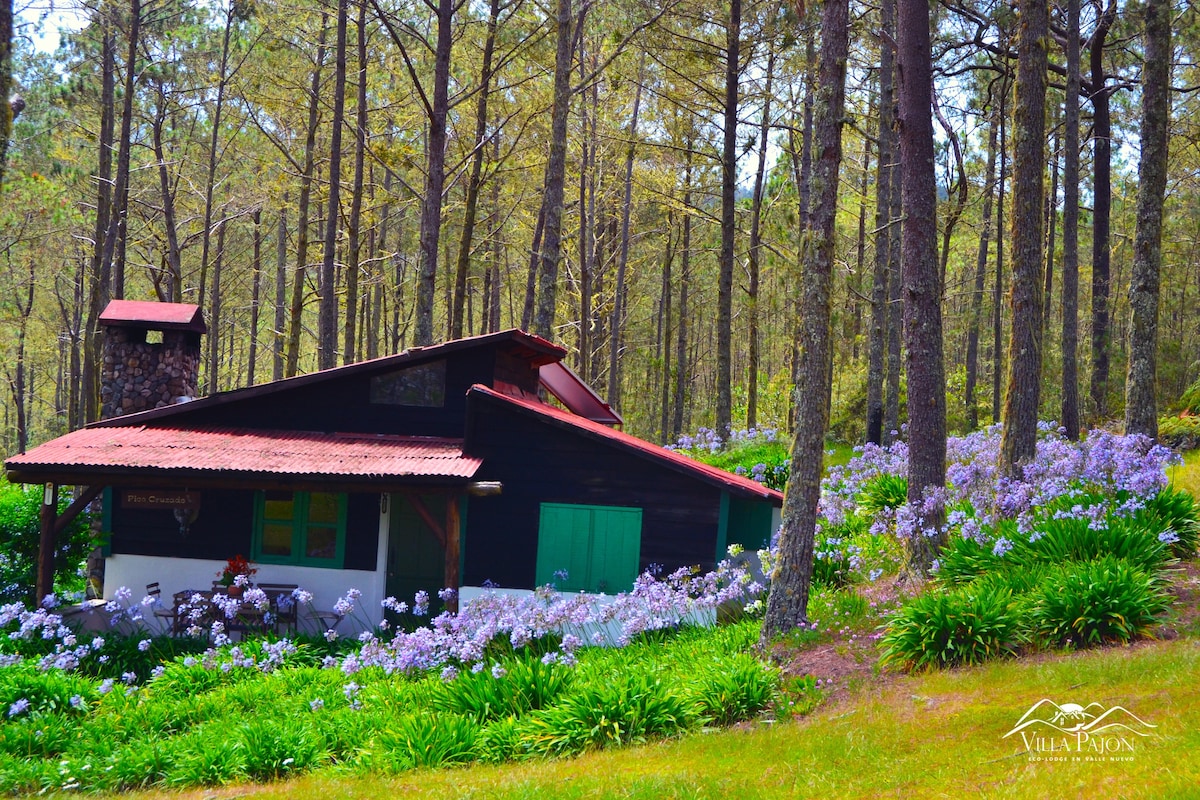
1072, 718
1074, 732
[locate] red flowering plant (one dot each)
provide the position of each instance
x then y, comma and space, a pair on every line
237, 571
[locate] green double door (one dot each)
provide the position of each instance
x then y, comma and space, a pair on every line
598, 548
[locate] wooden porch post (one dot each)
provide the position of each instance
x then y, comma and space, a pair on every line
452, 550
45, 573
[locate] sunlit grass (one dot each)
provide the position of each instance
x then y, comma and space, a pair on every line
1187, 475
937, 735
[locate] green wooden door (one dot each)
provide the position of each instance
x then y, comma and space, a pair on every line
416, 559
598, 547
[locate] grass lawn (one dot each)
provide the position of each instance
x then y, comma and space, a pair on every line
935, 735
1187, 475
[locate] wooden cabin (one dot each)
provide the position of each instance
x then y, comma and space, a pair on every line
478, 462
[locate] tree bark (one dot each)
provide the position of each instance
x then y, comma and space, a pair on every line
214, 139
1023, 390
118, 219
764, 130
681, 335
556, 168
296, 313
100, 290
255, 295
475, 180
435, 175
277, 333
981, 258
1069, 417
355, 234
327, 319
1102, 210
883, 221
922, 286
1141, 412
618, 312
733, 36
787, 604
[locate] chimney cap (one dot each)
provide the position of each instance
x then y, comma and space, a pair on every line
154, 315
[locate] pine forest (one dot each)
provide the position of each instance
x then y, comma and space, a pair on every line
934, 215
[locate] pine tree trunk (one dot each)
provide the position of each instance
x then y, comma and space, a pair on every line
681, 372
883, 222
354, 225
787, 604
1141, 411
556, 168
255, 295
296, 311
1069, 417
922, 285
981, 258
473, 183
277, 333
618, 322
435, 175
728, 222
1024, 382
755, 255
1102, 211
327, 318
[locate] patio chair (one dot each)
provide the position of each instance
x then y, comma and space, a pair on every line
168, 615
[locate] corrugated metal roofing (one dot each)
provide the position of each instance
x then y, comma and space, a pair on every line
151, 313
238, 450
726, 480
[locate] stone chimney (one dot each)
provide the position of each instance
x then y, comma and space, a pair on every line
151, 355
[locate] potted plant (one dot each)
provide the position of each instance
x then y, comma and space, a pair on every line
235, 576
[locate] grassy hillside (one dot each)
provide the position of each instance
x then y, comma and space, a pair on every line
936, 735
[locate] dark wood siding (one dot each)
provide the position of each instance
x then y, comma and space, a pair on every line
224, 528
343, 406
540, 463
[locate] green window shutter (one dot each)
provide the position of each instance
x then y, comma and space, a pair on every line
301, 528
598, 546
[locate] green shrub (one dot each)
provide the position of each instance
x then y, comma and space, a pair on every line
1181, 433
1097, 602
206, 757
428, 740
1057, 541
962, 560
883, 491
527, 685
47, 691
1172, 510
500, 741
276, 746
20, 523
734, 689
942, 629
609, 709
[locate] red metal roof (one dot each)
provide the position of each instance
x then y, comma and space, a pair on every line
726, 480
281, 454
152, 314
575, 394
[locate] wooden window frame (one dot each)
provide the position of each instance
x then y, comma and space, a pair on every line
300, 527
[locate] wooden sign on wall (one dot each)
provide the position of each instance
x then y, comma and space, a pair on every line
159, 498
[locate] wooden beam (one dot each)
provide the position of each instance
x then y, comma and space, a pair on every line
453, 523
89, 494
45, 573
433, 524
